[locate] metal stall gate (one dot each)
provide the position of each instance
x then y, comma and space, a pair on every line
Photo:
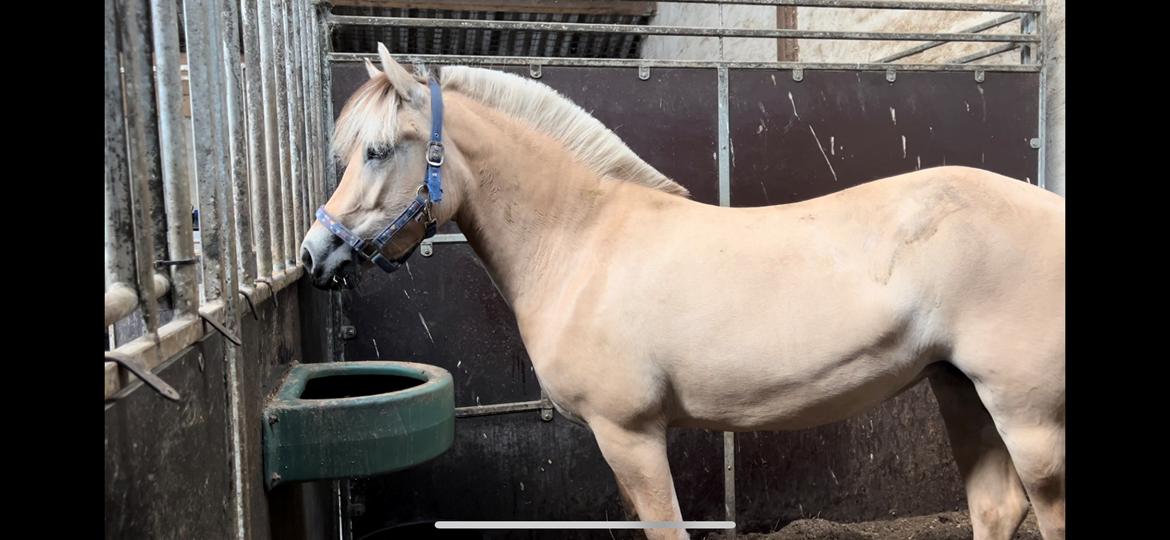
742, 133
215, 155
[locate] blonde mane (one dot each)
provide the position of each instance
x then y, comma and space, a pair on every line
370, 118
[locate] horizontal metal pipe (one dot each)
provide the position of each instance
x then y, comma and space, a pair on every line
500, 408
984, 54
998, 21
474, 24
122, 298
873, 4
442, 59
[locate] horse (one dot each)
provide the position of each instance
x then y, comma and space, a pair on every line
642, 309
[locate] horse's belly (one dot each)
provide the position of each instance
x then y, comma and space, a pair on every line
782, 394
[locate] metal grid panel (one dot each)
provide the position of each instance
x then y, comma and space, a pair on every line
481, 42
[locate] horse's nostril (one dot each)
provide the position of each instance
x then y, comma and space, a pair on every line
307, 259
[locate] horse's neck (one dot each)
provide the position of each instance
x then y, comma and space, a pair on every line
525, 202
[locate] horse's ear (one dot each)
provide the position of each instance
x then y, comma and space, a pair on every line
400, 79
370, 69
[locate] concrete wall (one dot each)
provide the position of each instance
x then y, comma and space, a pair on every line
707, 48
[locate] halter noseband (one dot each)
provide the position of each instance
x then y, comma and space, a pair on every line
430, 192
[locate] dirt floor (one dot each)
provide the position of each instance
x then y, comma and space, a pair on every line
945, 526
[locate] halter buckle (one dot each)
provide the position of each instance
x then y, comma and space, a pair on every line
369, 249
434, 153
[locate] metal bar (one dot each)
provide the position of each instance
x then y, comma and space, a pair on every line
143, 153
998, 21
271, 98
314, 104
874, 4
119, 224
729, 479
298, 125
176, 165
438, 59
724, 139
327, 59
1028, 26
203, 66
588, 28
283, 75
306, 75
122, 298
985, 53
257, 145
238, 138
499, 408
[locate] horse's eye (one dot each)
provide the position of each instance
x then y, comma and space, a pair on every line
378, 153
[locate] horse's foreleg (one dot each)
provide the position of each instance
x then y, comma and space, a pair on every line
638, 460
995, 495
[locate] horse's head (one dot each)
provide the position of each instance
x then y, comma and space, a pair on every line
382, 208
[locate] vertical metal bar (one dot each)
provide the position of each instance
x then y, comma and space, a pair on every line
238, 139
729, 479
206, 103
312, 68
120, 226
724, 129
326, 29
296, 125
312, 65
724, 140
142, 149
257, 147
1028, 26
175, 161
205, 53
272, 100
280, 48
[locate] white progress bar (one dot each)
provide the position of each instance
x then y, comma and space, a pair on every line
513, 525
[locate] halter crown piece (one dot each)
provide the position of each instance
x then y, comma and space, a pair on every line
430, 192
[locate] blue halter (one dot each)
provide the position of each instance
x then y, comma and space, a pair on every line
430, 192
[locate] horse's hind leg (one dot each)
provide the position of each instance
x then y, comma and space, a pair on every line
1021, 382
995, 496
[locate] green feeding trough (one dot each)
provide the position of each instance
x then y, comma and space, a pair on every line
351, 419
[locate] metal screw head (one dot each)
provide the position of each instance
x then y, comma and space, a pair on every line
546, 415
426, 249
643, 73
1034, 142
891, 75
348, 332
798, 74
534, 71
980, 75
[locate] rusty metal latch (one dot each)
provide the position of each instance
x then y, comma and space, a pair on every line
220, 328
148, 378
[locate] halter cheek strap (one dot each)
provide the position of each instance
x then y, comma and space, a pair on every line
429, 193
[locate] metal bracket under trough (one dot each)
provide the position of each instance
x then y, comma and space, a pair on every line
148, 378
